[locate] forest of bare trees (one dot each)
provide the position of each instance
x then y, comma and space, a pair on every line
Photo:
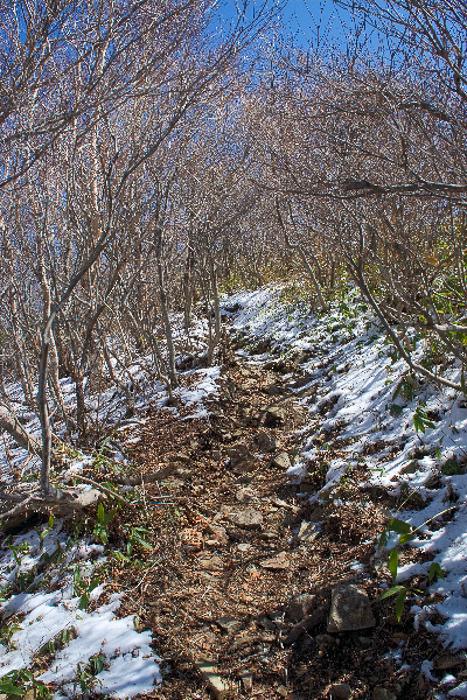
150, 158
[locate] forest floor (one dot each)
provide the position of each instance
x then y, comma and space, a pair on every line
230, 567
262, 492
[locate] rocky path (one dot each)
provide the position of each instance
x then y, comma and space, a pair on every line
238, 584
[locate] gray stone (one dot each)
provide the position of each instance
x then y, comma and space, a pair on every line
281, 461
275, 415
229, 624
383, 694
264, 442
213, 563
278, 563
350, 609
239, 453
340, 691
217, 686
317, 514
247, 682
180, 457
299, 607
245, 495
249, 518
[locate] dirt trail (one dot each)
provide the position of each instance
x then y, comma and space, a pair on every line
240, 561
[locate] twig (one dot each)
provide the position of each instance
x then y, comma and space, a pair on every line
102, 488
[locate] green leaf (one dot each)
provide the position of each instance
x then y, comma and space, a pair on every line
393, 563
109, 516
94, 583
9, 688
435, 572
395, 409
390, 592
100, 514
383, 540
418, 423
83, 603
400, 600
399, 526
119, 556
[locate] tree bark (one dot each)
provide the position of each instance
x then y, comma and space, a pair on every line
10, 423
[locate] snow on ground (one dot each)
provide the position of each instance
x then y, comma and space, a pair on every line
55, 626
48, 579
366, 397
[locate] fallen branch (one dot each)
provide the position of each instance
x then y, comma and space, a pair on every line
103, 489
11, 424
59, 503
148, 479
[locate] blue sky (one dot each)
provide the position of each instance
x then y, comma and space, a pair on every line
310, 23
314, 21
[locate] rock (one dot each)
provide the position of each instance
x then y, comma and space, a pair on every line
245, 495
299, 607
446, 662
307, 532
317, 514
300, 382
217, 686
243, 547
340, 691
180, 457
381, 693
241, 459
249, 518
274, 416
229, 624
350, 609
239, 453
247, 682
281, 461
274, 390
264, 442
211, 563
244, 468
276, 563
218, 535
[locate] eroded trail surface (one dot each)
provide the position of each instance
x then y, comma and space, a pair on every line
239, 588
